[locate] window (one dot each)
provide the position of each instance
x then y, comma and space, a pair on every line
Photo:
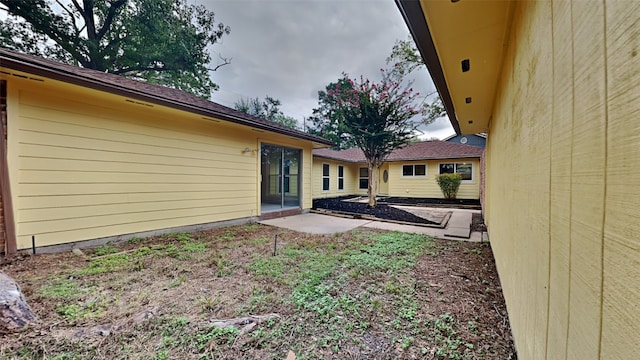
340, 177
464, 169
364, 178
325, 177
414, 170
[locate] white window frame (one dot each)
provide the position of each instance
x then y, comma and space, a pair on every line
455, 169
360, 178
327, 177
413, 166
340, 178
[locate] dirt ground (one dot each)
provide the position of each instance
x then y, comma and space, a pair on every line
364, 294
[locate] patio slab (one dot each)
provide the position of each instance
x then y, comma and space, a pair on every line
459, 225
316, 223
326, 224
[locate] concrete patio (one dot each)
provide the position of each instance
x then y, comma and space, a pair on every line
458, 227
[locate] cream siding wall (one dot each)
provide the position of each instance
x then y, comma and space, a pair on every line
350, 178
86, 165
356, 185
383, 187
426, 186
421, 186
562, 180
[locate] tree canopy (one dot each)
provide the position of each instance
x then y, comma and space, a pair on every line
326, 121
160, 41
405, 59
377, 117
269, 109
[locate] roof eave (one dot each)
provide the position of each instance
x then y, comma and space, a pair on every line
335, 158
6, 60
413, 15
437, 158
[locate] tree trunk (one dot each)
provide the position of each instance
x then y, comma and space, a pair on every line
372, 191
15, 313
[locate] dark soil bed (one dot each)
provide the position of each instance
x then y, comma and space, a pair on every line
477, 223
432, 202
382, 211
386, 212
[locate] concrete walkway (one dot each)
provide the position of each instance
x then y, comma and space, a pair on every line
326, 224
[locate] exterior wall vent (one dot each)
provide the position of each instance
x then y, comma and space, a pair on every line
138, 103
466, 65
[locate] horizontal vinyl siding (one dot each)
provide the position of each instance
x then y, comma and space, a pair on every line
426, 186
350, 178
85, 171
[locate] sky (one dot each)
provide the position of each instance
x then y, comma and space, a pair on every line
291, 49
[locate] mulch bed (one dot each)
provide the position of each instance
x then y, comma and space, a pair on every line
386, 212
382, 211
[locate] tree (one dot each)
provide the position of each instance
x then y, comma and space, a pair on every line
378, 118
325, 121
406, 58
160, 41
268, 109
285, 120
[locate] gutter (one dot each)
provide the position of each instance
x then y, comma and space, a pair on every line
413, 15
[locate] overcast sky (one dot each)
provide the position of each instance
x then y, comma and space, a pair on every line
291, 49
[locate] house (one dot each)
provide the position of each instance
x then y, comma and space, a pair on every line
479, 140
407, 172
554, 84
90, 155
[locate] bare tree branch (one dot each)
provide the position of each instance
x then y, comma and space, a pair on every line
89, 20
78, 7
71, 15
225, 61
110, 16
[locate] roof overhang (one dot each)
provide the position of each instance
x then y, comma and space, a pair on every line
17, 62
462, 43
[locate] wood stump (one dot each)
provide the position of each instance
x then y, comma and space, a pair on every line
15, 314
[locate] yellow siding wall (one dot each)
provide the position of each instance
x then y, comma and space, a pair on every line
383, 187
426, 186
350, 178
398, 185
86, 165
563, 181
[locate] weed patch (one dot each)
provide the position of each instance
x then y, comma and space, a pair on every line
360, 294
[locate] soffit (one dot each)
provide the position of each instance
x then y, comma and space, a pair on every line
473, 30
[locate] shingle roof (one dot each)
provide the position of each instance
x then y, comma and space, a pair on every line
424, 150
140, 90
482, 135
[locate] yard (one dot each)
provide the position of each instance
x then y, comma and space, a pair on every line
365, 294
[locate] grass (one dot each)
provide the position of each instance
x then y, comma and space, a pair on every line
358, 294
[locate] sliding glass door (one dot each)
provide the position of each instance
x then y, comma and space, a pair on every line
280, 182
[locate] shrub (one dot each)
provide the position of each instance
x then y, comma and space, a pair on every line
449, 184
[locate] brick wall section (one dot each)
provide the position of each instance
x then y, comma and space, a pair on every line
2, 230
3, 242
483, 165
